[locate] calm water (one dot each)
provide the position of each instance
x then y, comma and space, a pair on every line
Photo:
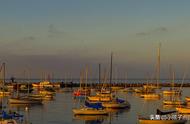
59, 111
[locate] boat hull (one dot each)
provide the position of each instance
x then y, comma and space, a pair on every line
171, 92
8, 121
84, 111
150, 96
183, 110
5, 93
24, 101
174, 103
116, 105
187, 99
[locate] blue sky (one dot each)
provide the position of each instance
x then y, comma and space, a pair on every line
62, 36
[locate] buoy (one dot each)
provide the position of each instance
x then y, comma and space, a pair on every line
26, 108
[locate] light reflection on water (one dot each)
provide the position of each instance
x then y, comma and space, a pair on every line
59, 111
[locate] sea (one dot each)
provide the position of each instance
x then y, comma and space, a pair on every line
59, 110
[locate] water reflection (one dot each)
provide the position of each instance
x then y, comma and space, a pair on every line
100, 119
117, 111
94, 122
91, 119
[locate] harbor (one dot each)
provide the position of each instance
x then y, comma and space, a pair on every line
59, 109
94, 62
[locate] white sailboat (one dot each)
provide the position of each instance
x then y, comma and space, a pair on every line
24, 99
3, 119
149, 92
115, 102
148, 120
4, 91
173, 100
86, 110
172, 91
89, 111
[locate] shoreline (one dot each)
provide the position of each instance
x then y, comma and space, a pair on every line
124, 85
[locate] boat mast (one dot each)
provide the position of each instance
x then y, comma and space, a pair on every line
3, 75
173, 74
158, 66
111, 70
29, 74
3, 85
86, 76
81, 79
173, 83
99, 74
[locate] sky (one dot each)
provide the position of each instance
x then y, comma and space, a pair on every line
62, 37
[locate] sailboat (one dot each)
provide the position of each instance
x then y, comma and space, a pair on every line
82, 90
151, 96
172, 90
115, 103
23, 99
3, 91
173, 100
149, 92
100, 97
90, 109
6, 118
158, 68
187, 99
103, 94
162, 118
182, 109
148, 120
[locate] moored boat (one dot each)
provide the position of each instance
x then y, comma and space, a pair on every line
5, 93
116, 104
45, 84
187, 99
95, 108
89, 111
8, 121
170, 102
183, 110
81, 92
172, 92
152, 95
41, 97
24, 101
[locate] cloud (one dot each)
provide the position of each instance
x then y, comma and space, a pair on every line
21, 45
158, 30
142, 34
29, 38
53, 31
161, 29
